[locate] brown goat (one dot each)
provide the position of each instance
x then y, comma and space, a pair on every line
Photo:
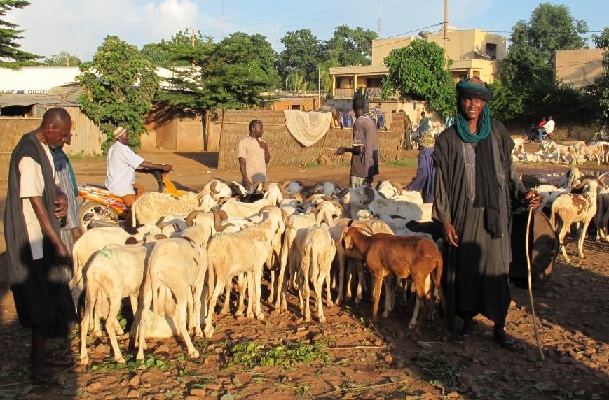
402, 256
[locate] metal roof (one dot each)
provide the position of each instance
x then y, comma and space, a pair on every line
64, 95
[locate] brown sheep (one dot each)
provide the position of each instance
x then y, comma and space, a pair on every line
402, 256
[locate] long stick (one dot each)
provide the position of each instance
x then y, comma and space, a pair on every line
530, 284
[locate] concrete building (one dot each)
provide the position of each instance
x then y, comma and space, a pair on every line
578, 68
474, 53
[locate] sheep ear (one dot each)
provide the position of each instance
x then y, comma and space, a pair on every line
369, 194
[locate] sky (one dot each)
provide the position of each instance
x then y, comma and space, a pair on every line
80, 26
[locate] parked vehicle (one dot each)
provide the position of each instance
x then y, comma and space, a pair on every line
102, 208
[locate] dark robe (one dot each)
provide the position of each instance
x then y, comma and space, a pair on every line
41, 297
475, 279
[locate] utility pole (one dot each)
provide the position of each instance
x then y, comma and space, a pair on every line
319, 87
378, 16
223, 20
445, 23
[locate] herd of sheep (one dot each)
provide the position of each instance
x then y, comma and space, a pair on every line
191, 249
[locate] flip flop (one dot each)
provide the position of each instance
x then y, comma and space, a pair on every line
509, 343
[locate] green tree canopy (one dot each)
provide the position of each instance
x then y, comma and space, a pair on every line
420, 70
599, 90
301, 55
527, 71
10, 51
63, 58
232, 73
119, 86
350, 46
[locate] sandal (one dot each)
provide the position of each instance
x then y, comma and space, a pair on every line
507, 342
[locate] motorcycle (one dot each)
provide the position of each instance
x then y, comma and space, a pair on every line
102, 208
532, 135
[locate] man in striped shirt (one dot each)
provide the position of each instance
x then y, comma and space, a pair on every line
253, 154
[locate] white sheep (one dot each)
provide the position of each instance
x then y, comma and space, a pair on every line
366, 197
180, 265
150, 207
115, 272
318, 251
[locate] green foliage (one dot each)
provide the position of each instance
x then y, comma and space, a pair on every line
119, 86
350, 46
403, 162
9, 35
527, 78
62, 59
420, 70
252, 354
232, 73
301, 55
599, 91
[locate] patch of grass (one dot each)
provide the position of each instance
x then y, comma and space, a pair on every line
252, 354
404, 162
312, 164
444, 373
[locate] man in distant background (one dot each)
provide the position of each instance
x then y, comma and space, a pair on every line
253, 154
365, 158
549, 127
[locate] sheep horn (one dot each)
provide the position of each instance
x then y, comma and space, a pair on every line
219, 216
265, 208
213, 187
221, 227
265, 187
369, 194
191, 217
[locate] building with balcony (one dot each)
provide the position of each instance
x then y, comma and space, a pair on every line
474, 53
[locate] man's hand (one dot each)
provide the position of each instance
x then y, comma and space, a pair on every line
263, 144
166, 167
61, 204
61, 251
533, 198
450, 234
340, 151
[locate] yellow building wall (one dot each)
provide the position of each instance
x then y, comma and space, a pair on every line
578, 67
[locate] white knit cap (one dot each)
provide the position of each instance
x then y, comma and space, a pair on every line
120, 131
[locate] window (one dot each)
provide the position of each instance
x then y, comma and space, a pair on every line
491, 50
338, 82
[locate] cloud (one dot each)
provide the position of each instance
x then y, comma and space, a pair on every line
80, 26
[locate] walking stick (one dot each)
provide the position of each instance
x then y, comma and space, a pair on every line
530, 284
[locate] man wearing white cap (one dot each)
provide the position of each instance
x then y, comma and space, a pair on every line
120, 167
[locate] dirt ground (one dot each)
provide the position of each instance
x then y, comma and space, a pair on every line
363, 360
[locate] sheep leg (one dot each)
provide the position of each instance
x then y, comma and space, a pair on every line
376, 294
250, 294
226, 306
329, 302
319, 288
341, 277
242, 288
306, 288
87, 315
348, 294
390, 288
582, 237
361, 284
209, 328
143, 307
183, 298
420, 308
257, 293
561, 238
111, 324
271, 287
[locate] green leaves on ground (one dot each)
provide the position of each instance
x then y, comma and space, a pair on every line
252, 354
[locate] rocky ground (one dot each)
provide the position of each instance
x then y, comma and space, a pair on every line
348, 356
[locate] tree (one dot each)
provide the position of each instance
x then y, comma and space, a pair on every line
9, 34
302, 54
599, 90
350, 46
420, 70
527, 75
119, 86
230, 74
63, 58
